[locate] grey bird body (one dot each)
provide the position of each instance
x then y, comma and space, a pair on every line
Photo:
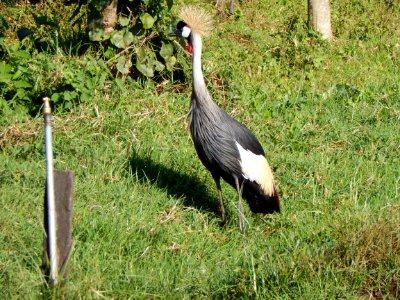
226, 147
215, 143
215, 134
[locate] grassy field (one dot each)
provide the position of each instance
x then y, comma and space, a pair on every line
146, 218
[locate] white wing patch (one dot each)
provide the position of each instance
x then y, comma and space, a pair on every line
256, 168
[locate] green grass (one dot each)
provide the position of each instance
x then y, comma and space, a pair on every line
146, 219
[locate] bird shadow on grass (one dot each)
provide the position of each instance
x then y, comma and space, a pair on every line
177, 184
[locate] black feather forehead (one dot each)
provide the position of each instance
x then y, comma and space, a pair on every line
180, 25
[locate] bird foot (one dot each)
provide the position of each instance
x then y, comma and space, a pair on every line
242, 225
242, 219
222, 223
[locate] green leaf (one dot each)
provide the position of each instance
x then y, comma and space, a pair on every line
158, 66
145, 69
121, 38
21, 94
67, 105
170, 63
124, 64
147, 21
166, 50
17, 75
5, 72
117, 39
141, 54
98, 34
15, 47
5, 78
55, 97
128, 38
21, 54
4, 67
109, 53
91, 84
22, 84
70, 95
123, 21
85, 97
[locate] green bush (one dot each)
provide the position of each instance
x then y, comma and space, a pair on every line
139, 39
44, 53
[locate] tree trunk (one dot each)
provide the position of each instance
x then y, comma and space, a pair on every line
102, 19
221, 6
319, 17
232, 7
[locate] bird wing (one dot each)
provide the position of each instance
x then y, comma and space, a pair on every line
230, 133
216, 135
244, 137
253, 164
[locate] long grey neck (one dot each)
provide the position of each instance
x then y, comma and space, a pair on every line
199, 89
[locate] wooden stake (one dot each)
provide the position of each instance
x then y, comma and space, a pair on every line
63, 188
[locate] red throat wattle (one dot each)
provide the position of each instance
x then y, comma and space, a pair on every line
190, 47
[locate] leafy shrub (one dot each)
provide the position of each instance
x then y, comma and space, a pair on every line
139, 37
41, 51
26, 75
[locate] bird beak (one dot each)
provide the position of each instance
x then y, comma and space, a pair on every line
174, 33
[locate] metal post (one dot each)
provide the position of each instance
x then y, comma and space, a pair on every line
50, 201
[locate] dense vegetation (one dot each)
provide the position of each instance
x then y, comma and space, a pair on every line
146, 219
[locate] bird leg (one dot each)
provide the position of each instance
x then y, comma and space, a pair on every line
240, 206
221, 201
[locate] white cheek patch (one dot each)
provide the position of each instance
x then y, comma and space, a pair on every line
256, 168
186, 31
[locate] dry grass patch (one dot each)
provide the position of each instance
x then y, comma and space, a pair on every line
368, 248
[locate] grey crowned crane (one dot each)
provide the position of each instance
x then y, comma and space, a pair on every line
225, 147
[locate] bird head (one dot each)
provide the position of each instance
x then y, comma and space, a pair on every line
194, 20
183, 30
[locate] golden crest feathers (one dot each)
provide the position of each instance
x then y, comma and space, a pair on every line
198, 19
